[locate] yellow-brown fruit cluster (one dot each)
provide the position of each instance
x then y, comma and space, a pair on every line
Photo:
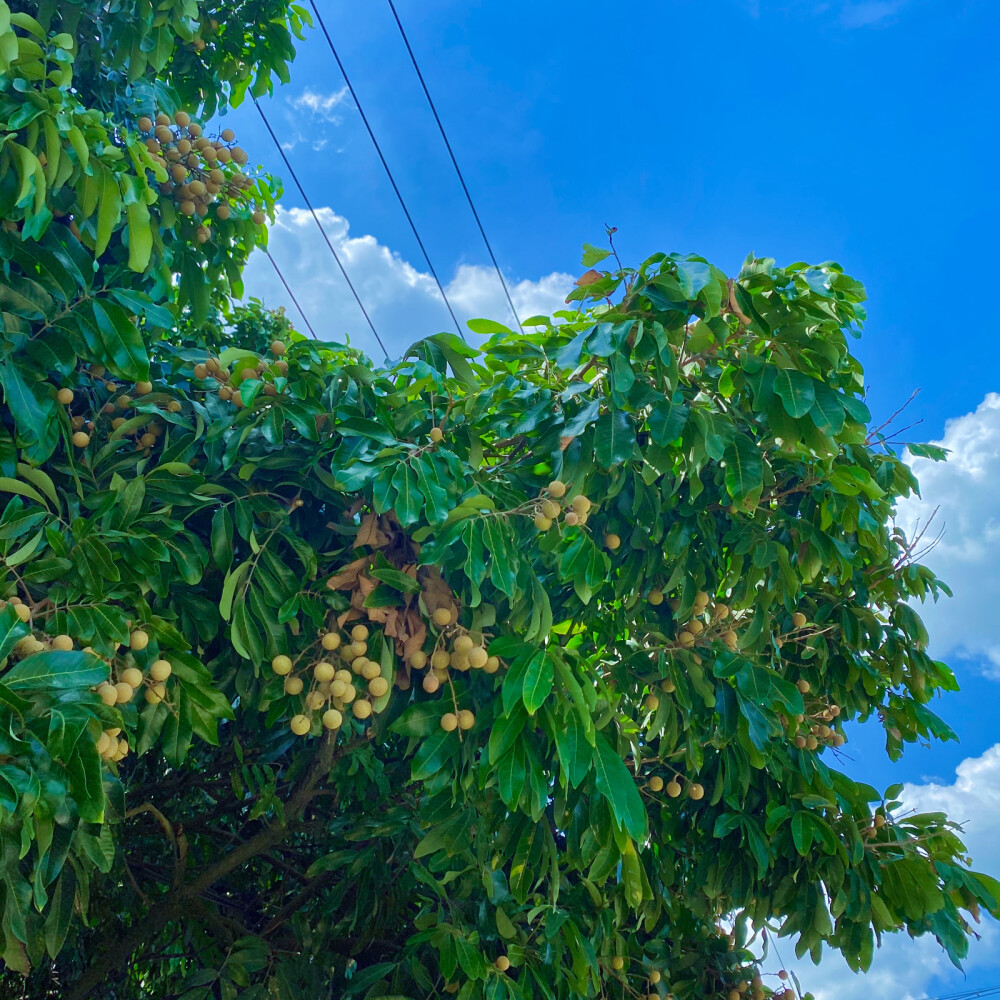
812, 730
546, 511
357, 682
706, 623
111, 745
228, 382
201, 172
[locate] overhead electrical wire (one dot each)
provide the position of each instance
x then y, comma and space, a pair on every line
388, 171
291, 294
454, 161
309, 205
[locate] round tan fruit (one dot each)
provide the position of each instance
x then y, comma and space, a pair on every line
550, 508
143, 388
492, 665
466, 719
463, 644
138, 640
441, 616
668, 686
612, 541
299, 724
557, 488
359, 633
696, 791
103, 744
281, 665
65, 396
543, 523
655, 598
581, 504
618, 963
21, 610
654, 976
436, 434
440, 660
695, 627
685, 639
63, 642
730, 639
293, 685
800, 742
460, 661
430, 683
315, 700
330, 641
361, 709
502, 963
652, 703
734, 995
324, 671
370, 670
799, 620
673, 788
803, 686
107, 693
160, 670
132, 676
81, 440
478, 658
123, 692
418, 659
701, 600
449, 722
572, 518
332, 719
656, 783
782, 975
156, 694
378, 686
811, 743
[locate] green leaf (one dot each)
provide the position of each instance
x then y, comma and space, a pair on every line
744, 468
433, 753
140, 235
34, 415
109, 209
693, 276
115, 339
409, 500
537, 685
667, 420
796, 391
593, 255
614, 439
58, 669
575, 753
60, 913
616, 784
631, 874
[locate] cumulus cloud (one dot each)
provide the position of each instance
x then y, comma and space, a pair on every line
322, 105
403, 301
964, 491
906, 968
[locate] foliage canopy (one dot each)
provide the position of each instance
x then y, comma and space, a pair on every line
517, 670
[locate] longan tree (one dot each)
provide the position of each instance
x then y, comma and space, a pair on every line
510, 671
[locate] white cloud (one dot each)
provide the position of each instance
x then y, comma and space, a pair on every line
308, 116
403, 301
906, 968
965, 489
322, 105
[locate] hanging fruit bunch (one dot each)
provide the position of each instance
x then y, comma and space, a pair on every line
205, 180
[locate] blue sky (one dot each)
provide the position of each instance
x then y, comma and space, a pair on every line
862, 131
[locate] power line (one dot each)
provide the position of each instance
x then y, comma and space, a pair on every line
291, 294
392, 180
305, 198
454, 162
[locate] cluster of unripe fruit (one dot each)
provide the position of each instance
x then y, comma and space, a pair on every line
112, 746
131, 678
359, 683
707, 621
115, 407
228, 383
754, 988
674, 788
547, 511
201, 172
464, 654
817, 723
